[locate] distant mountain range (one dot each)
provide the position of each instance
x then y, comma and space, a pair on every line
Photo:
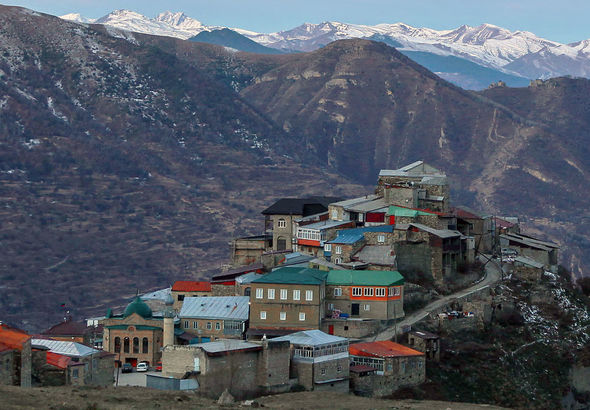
499, 54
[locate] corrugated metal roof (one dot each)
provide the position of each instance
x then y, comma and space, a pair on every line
324, 225
369, 206
348, 236
247, 278
352, 201
71, 349
191, 286
396, 210
311, 338
528, 240
418, 168
385, 348
365, 278
441, 233
292, 275
215, 307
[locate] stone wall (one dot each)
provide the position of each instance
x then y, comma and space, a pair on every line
351, 328
7, 368
414, 260
178, 360
273, 366
218, 289
26, 364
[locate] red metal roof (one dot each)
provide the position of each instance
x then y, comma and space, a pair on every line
385, 348
58, 360
465, 214
501, 223
191, 286
13, 338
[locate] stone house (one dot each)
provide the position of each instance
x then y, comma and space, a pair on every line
249, 249
417, 185
397, 214
280, 217
216, 317
476, 224
81, 365
318, 361
376, 257
527, 269
188, 288
350, 241
435, 253
394, 365
425, 342
246, 369
287, 300
541, 251
339, 211
362, 294
15, 357
134, 336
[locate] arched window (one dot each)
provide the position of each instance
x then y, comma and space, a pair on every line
144, 345
126, 345
282, 223
247, 292
136, 345
117, 344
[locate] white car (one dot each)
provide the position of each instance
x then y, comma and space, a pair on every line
142, 367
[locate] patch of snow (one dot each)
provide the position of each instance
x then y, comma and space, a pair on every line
54, 111
25, 94
32, 143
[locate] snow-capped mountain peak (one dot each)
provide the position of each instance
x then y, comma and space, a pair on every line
77, 18
179, 20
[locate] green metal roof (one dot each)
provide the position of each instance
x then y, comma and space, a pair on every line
365, 278
138, 327
140, 307
401, 211
295, 276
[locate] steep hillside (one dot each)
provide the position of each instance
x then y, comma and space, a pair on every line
229, 38
362, 106
122, 168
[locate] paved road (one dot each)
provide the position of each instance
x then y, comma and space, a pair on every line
492, 275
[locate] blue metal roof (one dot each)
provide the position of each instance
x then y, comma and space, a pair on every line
348, 236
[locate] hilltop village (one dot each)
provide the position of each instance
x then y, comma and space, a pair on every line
333, 295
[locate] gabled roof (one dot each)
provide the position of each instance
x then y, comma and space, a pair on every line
71, 349
374, 205
355, 201
441, 233
310, 338
468, 213
191, 286
216, 307
417, 168
348, 236
67, 328
385, 348
295, 258
300, 206
365, 278
294, 276
232, 274
376, 255
502, 223
228, 345
13, 338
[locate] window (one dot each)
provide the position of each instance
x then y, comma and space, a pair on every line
367, 307
337, 260
263, 315
309, 295
339, 369
334, 214
126, 345
328, 247
296, 294
380, 238
338, 250
282, 223
217, 326
247, 292
136, 345
302, 316
195, 325
270, 293
186, 324
259, 293
380, 292
394, 291
368, 291
337, 291
283, 315
357, 291
117, 344
75, 373
330, 306
180, 298
145, 346
283, 294
209, 325
323, 371
376, 363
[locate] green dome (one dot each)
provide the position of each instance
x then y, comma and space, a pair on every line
140, 307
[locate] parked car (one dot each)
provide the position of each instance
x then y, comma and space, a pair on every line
509, 252
159, 366
142, 367
126, 368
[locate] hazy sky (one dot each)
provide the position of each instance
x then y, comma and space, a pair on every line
564, 21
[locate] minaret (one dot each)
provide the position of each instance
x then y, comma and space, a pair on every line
169, 322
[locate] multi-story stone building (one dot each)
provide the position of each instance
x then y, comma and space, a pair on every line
189, 288
216, 317
318, 361
287, 300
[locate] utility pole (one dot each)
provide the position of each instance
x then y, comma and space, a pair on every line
395, 321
